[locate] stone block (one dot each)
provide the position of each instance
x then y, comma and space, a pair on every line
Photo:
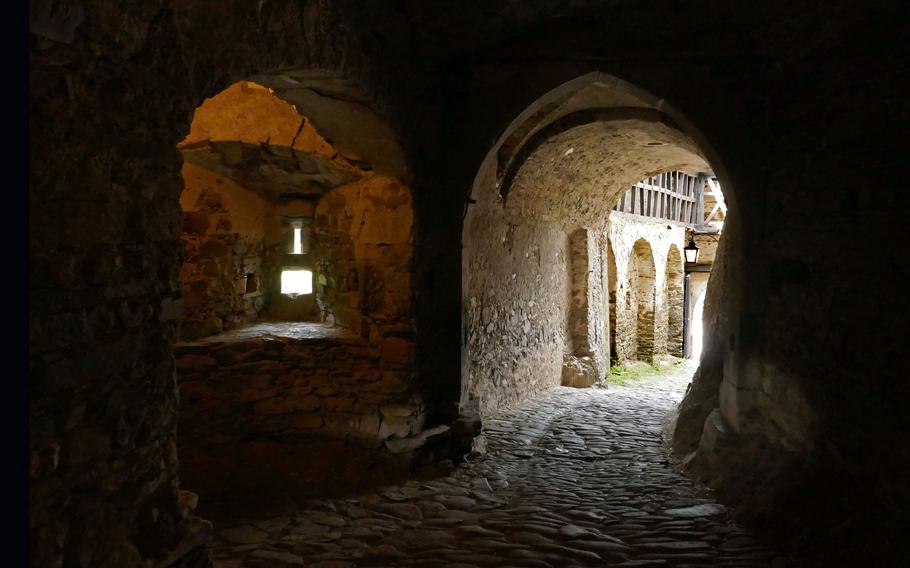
306, 421
578, 372
284, 405
397, 351
391, 382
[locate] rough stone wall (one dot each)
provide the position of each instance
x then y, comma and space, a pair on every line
112, 90
587, 313
516, 311
105, 250
275, 409
525, 315
640, 271
612, 288
707, 244
113, 86
674, 291
580, 308
598, 302
364, 254
222, 280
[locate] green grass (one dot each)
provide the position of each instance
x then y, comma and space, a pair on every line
624, 374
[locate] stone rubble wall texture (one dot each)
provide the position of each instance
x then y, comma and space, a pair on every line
516, 319
674, 300
288, 411
707, 247
223, 277
636, 329
364, 255
587, 314
113, 88
579, 307
805, 303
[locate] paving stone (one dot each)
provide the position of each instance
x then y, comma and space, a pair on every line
581, 478
285, 558
706, 510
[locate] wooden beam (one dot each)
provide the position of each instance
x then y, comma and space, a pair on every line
700, 201
657, 188
697, 267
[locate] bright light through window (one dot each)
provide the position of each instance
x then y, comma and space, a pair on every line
298, 243
296, 282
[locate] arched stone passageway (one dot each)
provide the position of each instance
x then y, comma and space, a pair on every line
800, 344
536, 233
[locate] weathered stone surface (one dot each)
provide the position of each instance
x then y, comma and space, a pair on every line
578, 372
245, 534
624, 281
556, 509
223, 274
252, 403
112, 90
697, 511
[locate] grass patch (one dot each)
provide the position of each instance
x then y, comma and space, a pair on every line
623, 374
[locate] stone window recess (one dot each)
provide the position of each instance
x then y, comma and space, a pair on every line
252, 284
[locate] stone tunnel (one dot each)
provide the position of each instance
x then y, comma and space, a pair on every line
422, 284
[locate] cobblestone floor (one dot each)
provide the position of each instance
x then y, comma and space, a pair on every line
576, 477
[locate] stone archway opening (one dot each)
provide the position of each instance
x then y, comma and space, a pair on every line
581, 206
296, 344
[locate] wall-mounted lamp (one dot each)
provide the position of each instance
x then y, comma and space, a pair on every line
691, 251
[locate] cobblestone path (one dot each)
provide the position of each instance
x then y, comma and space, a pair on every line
576, 477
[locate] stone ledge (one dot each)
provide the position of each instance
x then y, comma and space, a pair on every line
294, 331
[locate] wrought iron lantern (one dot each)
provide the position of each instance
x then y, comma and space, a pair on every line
691, 251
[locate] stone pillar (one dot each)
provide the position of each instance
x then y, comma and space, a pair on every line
589, 354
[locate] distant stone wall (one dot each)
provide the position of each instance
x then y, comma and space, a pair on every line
539, 298
674, 300
647, 301
261, 402
222, 279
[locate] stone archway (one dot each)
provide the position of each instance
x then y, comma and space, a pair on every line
539, 200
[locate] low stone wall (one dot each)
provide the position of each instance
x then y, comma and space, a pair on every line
291, 404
